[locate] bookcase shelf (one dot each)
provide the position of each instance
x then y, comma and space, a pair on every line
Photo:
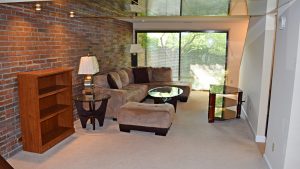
53, 134
52, 111
46, 108
51, 90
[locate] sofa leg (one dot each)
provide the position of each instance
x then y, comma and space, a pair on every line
124, 128
183, 99
161, 132
157, 131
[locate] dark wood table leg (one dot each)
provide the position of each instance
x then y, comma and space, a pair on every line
239, 106
99, 114
173, 101
83, 121
211, 107
93, 122
82, 113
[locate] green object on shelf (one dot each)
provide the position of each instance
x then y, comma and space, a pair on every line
216, 88
219, 113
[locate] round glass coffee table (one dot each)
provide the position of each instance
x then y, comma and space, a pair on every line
165, 94
91, 112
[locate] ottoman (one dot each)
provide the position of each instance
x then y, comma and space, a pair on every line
155, 118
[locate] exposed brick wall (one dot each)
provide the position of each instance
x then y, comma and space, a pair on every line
31, 40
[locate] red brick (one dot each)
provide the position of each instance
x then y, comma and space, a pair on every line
30, 41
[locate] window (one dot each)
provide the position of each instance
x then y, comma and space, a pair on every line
196, 57
186, 7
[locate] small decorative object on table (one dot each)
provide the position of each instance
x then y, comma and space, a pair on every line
221, 101
92, 110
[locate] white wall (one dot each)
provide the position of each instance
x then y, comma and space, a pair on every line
237, 33
251, 68
282, 148
292, 151
255, 72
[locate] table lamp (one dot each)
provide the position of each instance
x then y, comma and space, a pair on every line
88, 66
134, 49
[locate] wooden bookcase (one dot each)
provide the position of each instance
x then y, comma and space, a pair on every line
46, 108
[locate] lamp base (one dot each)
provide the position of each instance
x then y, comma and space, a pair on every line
134, 61
88, 81
88, 85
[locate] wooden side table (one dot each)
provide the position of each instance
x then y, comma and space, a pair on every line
219, 101
92, 113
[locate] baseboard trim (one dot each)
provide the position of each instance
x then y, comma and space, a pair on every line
246, 117
258, 139
267, 161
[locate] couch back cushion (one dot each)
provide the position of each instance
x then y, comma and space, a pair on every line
130, 74
124, 77
161, 74
114, 80
101, 81
141, 75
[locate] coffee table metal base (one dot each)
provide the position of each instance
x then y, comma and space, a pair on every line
172, 100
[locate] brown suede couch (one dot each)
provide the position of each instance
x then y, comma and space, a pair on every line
132, 85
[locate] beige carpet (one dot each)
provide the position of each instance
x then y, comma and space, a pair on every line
191, 143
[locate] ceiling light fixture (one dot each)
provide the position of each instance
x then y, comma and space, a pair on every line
72, 14
38, 7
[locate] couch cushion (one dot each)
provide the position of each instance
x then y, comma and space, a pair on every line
124, 77
136, 92
150, 74
130, 74
114, 80
161, 74
101, 81
149, 115
141, 75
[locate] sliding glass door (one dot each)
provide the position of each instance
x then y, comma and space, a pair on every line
203, 58
196, 57
162, 50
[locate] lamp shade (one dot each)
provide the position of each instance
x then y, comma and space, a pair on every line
137, 8
88, 65
135, 48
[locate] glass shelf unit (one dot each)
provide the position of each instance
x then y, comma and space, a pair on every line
224, 103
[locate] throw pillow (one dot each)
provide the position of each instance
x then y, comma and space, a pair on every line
101, 81
140, 75
124, 77
130, 74
161, 74
114, 80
